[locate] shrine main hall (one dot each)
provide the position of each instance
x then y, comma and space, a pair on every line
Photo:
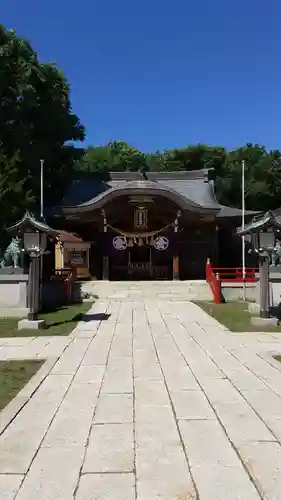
148, 225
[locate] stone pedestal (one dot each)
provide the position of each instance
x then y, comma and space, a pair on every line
274, 291
26, 324
264, 322
11, 271
13, 293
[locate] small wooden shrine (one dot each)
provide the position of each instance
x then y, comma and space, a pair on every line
72, 252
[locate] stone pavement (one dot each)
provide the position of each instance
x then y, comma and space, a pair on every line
148, 400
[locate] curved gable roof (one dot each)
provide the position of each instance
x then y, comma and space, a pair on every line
190, 190
139, 187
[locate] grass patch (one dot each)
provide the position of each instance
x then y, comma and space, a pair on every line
60, 321
278, 358
14, 375
235, 316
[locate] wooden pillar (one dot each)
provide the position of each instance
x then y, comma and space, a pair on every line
105, 261
59, 256
176, 259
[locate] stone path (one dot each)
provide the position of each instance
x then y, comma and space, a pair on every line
146, 400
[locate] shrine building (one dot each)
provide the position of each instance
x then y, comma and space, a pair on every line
149, 225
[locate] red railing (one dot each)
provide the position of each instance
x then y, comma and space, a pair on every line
235, 274
218, 275
68, 278
214, 282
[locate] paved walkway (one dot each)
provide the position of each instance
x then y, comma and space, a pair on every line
146, 400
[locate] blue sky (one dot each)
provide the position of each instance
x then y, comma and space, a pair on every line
162, 73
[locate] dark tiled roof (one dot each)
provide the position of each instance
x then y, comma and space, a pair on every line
234, 212
192, 189
268, 219
29, 220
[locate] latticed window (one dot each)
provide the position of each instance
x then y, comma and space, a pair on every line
140, 219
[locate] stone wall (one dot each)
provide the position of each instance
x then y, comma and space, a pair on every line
235, 291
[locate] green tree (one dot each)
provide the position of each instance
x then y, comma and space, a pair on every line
262, 168
95, 159
156, 162
195, 157
262, 178
13, 197
126, 157
114, 156
36, 120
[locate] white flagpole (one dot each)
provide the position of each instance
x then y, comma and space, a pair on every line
42, 217
243, 227
42, 188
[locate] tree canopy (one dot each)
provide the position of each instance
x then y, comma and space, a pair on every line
262, 168
36, 122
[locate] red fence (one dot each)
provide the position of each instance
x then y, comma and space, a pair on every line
218, 275
67, 276
235, 274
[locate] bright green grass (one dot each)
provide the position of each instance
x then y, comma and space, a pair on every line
57, 322
14, 375
235, 316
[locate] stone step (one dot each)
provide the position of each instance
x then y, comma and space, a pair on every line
133, 290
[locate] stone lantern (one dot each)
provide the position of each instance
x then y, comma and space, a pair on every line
34, 233
263, 233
